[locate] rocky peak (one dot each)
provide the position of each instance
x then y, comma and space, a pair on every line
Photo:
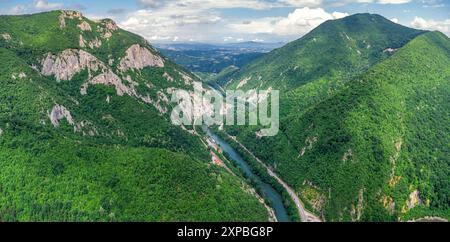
68, 14
137, 57
107, 28
110, 24
72, 14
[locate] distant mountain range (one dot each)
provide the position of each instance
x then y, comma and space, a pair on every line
208, 60
250, 46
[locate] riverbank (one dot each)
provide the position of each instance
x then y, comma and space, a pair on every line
271, 196
305, 216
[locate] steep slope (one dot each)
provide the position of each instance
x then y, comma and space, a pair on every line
85, 133
387, 133
314, 67
379, 148
335, 50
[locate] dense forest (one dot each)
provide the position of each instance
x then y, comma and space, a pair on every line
85, 133
371, 145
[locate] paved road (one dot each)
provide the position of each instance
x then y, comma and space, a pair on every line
305, 216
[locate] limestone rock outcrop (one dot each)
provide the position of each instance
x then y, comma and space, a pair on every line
84, 26
68, 63
58, 113
68, 14
110, 79
137, 57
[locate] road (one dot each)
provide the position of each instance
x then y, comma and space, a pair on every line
305, 216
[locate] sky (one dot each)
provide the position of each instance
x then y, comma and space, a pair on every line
226, 21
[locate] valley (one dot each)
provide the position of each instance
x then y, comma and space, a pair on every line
213, 61
87, 133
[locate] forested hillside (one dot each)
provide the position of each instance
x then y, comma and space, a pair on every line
364, 125
85, 133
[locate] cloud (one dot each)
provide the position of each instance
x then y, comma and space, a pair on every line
172, 20
228, 4
393, 1
152, 3
395, 20
35, 6
210, 4
421, 23
258, 4
43, 5
117, 11
341, 3
302, 3
296, 23
201, 20
433, 3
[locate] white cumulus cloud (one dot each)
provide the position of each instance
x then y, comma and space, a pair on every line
421, 23
297, 23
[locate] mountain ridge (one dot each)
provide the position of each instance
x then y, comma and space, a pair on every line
84, 118
341, 148
340, 39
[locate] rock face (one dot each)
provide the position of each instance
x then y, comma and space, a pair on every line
243, 82
6, 36
58, 113
187, 79
68, 63
110, 25
95, 43
62, 22
137, 57
84, 26
108, 28
68, 14
414, 199
21, 75
82, 42
110, 79
168, 77
65, 65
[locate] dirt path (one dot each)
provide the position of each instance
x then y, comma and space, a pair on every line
305, 216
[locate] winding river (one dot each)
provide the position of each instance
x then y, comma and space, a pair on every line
268, 192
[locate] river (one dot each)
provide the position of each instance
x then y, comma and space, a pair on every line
268, 192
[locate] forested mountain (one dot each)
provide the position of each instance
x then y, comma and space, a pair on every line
85, 130
336, 50
85, 133
364, 119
